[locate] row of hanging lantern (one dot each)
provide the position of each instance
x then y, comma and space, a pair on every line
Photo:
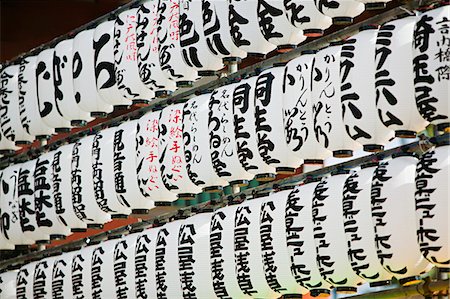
385, 220
147, 51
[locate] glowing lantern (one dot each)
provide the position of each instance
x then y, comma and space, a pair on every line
144, 264
61, 276
305, 15
8, 284
42, 278
24, 281
341, 11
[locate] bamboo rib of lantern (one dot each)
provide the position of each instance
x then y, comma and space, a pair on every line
419, 147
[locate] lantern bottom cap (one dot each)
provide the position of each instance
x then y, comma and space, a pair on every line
256, 55
21, 247
207, 73
379, 283
265, 177
231, 60
119, 216
213, 189
78, 123
163, 93
373, 148
94, 225
99, 114
313, 161
320, 293
57, 237
42, 241
185, 84
343, 154
408, 281
342, 20
115, 237
43, 137
285, 48
141, 102
22, 142
62, 130
240, 183
313, 32
285, 170
7, 152
140, 211
186, 196
346, 290
291, 296
375, 5
163, 203
405, 134
121, 107
443, 270
443, 126
78, 230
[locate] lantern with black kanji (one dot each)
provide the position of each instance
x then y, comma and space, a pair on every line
81, 272
62, 276
103, 269
144, 259
125, 269
42, 278
305, 15
24, 281
8, 284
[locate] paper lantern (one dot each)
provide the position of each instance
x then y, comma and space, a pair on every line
244, 27
46, 93
395, 220
62, 189
222, 141
8, 284
144, 264
11, 125
103, 270
169, 47
42, 278
105, 72
196, 147
432, 205
24, 281
63, 83
329, 235
83, 192
298, 117
329, 127
5, 243
272, 143
125, 56
245, 131
30, 116
103, 175
359, 230
124, 267
431, 77
172, 155
341, 11
374, 4
81, 273
126, 169
305, 15
193, 41
148, 165
147, 50
300, 240
218, 32
61, 276
84, 80
394, 78
358, 95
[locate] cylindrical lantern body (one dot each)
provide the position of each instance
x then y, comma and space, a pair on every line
61, 276
171, 152
432, 208
24, 281
42, 278
341, 11
84, 84
329, 235
327, 109
222, 141
245, 131
103, 270
81, 273
300, 240
148, 167
147, 50
193, 41
30, 116
196, 145
431, 79
144, 264
8, 284
103, 174
272, 143
394, 78
169, 47
359, 230
358, 95
124, 267
105, 70
395, 220
83, 192
305, 15
63, 82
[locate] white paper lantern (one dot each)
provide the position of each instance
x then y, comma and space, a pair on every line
83, 192
300, 240
84, 83
222, 141
431, 41
81, 273
103, 270
24, 281
196, 147
30, 116
395, 220
432, 206
105, 71
341, 11
329, 235
11, 125
126, 169
327, 110
124, 267
5, 243
42, 278
394, 81
61, 276
8, 284
244, 27
272, 143
62, 189
103, 175
148, 165
245, 131
169, 47
48, 106
144, 264
63, 83
147, 50
171, 152
305, 15
125, 56
358, 96
359, 230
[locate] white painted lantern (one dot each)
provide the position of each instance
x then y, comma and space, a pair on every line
394, 82
8, 284
81, 285
431, 65
395, 220
172, 155
144, 264
5, 243
103, 270
84, 83
42, 278
329, 235
358, 96
61, 276
341, 11
124, 267
305, 15
24, 281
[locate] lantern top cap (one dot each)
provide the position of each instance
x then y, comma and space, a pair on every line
340, 171
368, 27
370, 164
405, 154
312, 180
337, 43
307, 52
278, 64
